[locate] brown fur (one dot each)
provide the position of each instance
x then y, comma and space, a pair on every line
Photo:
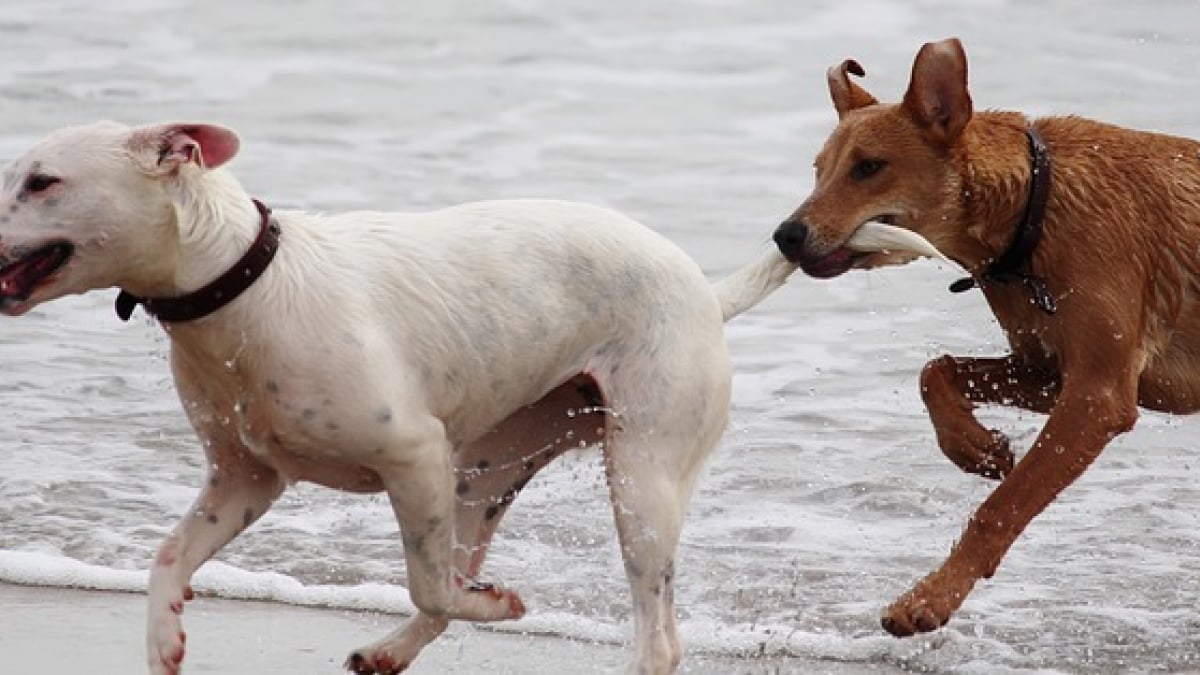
1120, 254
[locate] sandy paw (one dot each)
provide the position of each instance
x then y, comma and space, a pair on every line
507, 602
165, 641
516, 608
377, 663
167, 648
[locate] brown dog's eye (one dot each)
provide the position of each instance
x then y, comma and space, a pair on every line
865, 168
38, 182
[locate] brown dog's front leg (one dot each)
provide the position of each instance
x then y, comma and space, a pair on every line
1088, 414
952, 386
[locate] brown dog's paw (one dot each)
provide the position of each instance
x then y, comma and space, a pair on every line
983, 452
904, 619
926, 608
998, 458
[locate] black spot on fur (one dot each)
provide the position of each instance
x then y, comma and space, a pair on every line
591, 394
413, 543
308, 414
214, 480
247, 517
273, 386
12, 208
213, 519
482, 465
332, 426
528, 465
383, 415
491, 512
508, 496
462, 488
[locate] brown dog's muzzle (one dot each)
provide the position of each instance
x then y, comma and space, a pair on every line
793, 239
790, 237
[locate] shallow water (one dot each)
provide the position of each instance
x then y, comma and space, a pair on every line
827, 496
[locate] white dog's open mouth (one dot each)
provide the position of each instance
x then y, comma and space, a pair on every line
876, 236
19, 279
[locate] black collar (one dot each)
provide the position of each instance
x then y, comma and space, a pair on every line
222, 290
1008, 267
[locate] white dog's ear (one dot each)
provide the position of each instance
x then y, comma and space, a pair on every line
166, 147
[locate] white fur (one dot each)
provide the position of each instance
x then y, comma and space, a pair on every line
419, 354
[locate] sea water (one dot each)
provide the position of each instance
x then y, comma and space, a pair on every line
827, 497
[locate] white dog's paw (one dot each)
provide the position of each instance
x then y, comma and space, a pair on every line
165, 639
487, 602
376, 660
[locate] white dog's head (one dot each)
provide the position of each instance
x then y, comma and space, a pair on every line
95, 206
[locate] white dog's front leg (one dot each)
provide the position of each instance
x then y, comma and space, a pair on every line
235, 495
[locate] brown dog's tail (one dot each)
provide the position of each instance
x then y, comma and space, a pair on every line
747, 287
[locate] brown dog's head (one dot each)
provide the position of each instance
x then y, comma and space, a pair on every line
883, 164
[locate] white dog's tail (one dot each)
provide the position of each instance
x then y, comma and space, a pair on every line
747, 287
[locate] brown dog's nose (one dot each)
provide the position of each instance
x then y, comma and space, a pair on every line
790, 237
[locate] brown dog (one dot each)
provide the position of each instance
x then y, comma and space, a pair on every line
1090, 263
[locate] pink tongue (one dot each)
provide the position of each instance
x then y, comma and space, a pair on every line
15, 280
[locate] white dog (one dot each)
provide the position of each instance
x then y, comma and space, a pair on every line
441, 357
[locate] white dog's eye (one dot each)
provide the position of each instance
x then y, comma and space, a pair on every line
38, 182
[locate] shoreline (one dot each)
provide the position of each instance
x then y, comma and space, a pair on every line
102, 631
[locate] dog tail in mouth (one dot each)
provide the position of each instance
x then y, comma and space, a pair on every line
875, 236
747, 287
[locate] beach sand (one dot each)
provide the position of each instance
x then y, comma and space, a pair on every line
100, 633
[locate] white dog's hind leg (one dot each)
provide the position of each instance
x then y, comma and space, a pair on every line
650, 497
654, 454
237, 492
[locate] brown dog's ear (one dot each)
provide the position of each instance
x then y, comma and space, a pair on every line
847, 95
937, 96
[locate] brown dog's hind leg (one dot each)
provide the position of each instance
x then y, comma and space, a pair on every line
951, 388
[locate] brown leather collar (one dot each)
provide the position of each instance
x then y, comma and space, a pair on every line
1008, 267
222, 290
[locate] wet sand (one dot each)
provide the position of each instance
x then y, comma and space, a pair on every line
100, 632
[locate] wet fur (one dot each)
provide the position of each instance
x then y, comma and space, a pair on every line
1119, 254
443, 358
